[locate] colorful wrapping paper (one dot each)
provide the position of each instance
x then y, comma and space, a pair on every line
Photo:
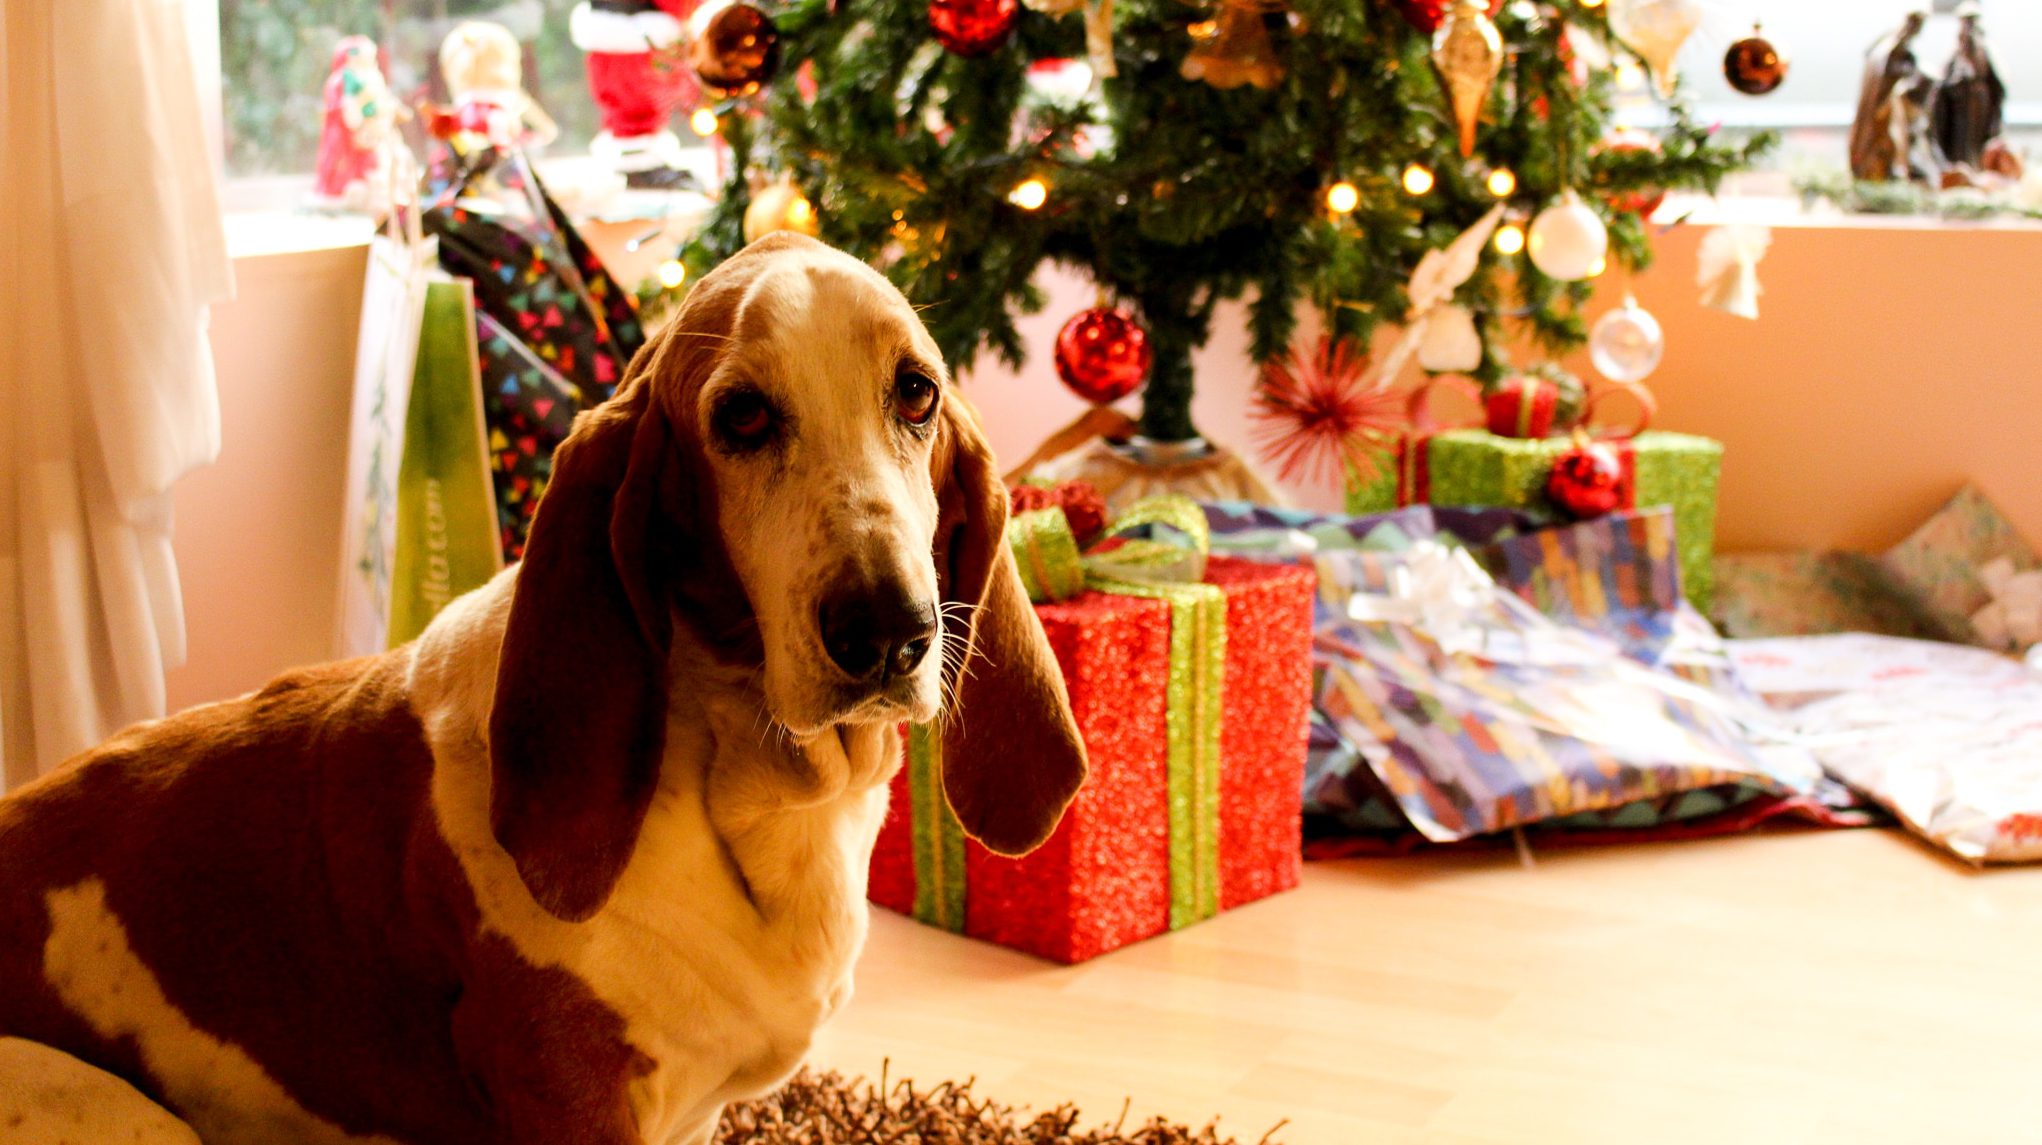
1926, 587
1465, 467
555, 331
1180, 817
1947, 738
1591, 698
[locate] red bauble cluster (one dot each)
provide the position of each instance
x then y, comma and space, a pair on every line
1589, 480
1427, 15
1103, 354
973, 27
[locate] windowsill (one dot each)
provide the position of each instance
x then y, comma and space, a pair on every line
1787, 212
261, 221
264, 234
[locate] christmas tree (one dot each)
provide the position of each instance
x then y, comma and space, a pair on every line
1323, 178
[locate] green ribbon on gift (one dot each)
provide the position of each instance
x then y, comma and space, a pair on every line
1168, 565
938, 836
1054, 568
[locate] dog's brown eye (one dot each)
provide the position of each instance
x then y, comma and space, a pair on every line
745, 420
914, 396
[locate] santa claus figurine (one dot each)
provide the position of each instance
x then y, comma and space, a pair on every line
353, 168
637, 77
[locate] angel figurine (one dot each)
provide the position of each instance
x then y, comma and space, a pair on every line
1967, 113
353, 168
484, 69
1879, 148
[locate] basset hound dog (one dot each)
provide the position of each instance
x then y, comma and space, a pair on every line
587, 860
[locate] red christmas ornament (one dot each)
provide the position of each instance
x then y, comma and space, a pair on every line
735, 49
1317, 414
1643, 202
1589, 480
1427, 15
972, 27
1102, 354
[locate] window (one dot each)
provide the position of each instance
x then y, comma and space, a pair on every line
275, 56
1825, 42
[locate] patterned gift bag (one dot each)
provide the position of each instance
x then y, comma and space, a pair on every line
555, 331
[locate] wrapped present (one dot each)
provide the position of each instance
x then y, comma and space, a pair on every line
1947, 738
1475, 467
1533, 677
1190, 679
1965, 576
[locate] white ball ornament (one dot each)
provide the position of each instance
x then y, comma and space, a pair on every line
1626, 343
1451, 342
1567, 240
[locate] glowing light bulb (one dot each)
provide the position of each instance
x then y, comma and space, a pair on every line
1342, 198
1029, 194
1204, 29
672, 273
1502, 183
1601, 265
1417, 179
1509, 238
1591, 3
703, 122
1630, 77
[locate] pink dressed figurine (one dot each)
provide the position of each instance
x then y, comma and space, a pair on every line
353, 169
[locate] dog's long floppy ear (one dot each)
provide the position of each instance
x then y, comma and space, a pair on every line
579, 717
1012, 758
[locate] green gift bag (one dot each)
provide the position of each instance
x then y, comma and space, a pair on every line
447, 541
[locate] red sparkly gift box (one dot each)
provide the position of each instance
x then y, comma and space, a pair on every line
1158, 838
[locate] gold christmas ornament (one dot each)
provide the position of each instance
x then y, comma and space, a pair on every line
1239, 51
1468, 51
779, 207
1655, 30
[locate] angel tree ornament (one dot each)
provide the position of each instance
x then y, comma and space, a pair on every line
1655, 30
1468, 51
1727, 268
1568, 240
1451, 343
353, 171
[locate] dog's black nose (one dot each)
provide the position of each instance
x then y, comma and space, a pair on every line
876, 634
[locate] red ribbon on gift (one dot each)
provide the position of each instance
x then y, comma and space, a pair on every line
1414, 475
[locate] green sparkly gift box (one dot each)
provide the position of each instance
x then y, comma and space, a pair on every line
1476, 467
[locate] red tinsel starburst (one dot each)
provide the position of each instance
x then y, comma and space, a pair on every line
1317, 415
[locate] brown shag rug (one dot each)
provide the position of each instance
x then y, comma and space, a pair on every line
826, 1109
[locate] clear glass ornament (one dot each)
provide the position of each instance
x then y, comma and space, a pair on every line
1626, 343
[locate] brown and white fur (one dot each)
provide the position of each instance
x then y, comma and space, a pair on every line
587, 860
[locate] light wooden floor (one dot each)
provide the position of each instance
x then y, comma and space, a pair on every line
1791, 988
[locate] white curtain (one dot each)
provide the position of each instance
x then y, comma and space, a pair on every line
110, 251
